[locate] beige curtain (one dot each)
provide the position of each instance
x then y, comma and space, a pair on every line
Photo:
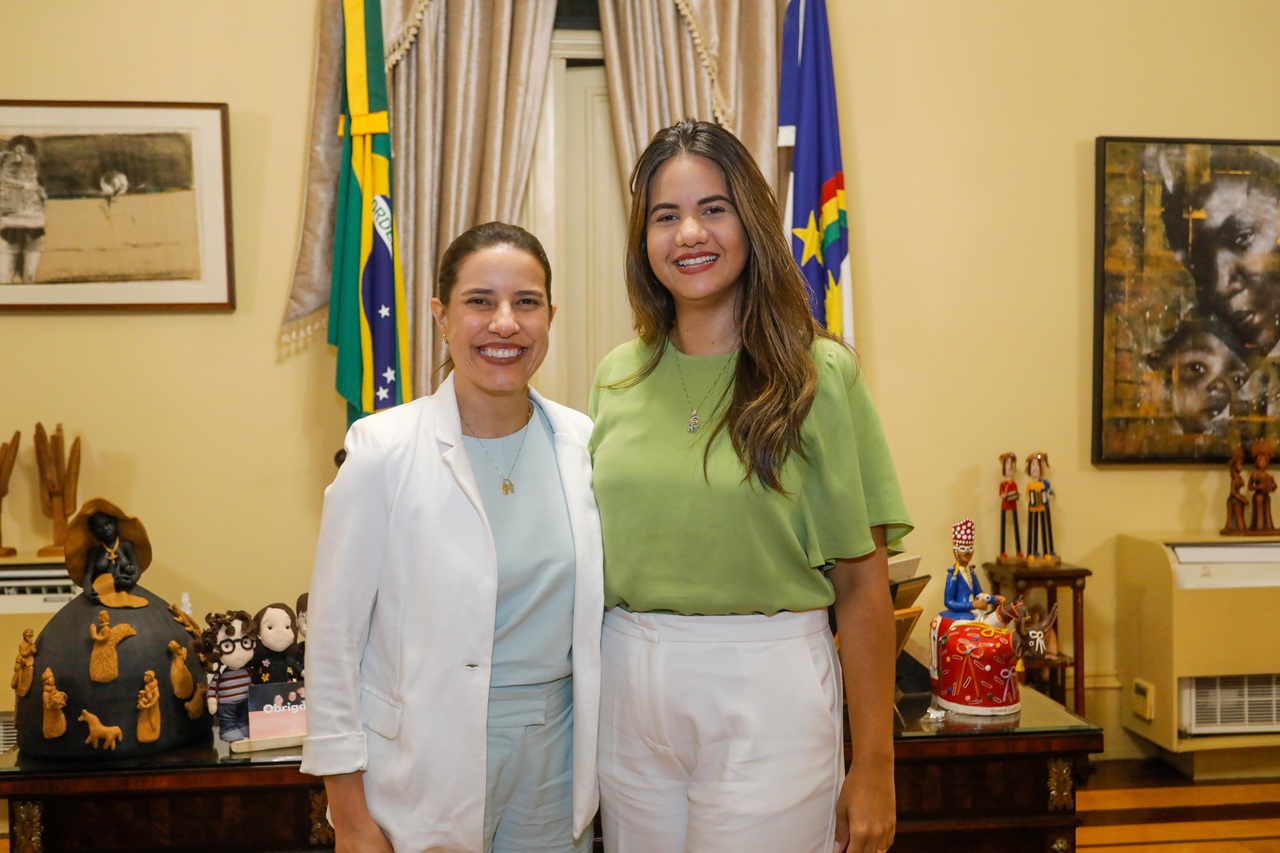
466, 79
715, 60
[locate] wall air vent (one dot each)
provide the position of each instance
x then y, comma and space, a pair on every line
1229, 704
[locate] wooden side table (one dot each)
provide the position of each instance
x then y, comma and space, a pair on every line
1067, 576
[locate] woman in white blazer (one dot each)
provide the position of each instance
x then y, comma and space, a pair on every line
453, 664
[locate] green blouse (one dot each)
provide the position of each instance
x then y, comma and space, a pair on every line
680, 541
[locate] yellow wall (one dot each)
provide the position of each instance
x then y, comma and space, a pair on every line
968, 145
191, 421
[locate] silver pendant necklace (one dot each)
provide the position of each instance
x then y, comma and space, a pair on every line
508, 487
694, 420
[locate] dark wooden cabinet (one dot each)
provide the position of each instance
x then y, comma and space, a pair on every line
1003, 784
190, 799
979, 784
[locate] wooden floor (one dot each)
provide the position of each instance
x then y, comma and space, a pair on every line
1146, 807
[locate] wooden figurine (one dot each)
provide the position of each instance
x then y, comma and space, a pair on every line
55, 722
1009, 507
8, 453
1262, 484
58, 477
24, 666
104, 665
1236, 501
149, 709
108, 736
1040, 550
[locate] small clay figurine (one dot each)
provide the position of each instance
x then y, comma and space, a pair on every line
108, 736
8, 454
1009, 507
103, 542
55, 722
229, 644
149, 709
104, 665
959, 594
962, 586
1040, 550
179, 676
59, 475
196, 704
274, 661
1262, 484
1236, 501
24, 665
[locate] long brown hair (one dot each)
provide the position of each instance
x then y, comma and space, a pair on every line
775, 380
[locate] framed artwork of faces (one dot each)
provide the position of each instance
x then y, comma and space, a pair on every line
1187, 299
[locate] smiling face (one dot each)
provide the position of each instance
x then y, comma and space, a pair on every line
1205, 375
1236, 259
695, 241
235, 645
497, 322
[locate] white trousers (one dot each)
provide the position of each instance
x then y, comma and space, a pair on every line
719, 733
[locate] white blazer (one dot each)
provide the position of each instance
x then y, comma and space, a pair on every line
401, 620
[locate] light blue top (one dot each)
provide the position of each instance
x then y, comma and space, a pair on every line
533, 629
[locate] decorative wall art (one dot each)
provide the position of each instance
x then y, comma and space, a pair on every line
1187, 317
108, 205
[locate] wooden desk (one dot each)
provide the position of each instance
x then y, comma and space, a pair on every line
191, 799
1022, 578
989, 784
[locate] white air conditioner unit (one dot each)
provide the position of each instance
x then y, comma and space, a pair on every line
35, 588
1233, 704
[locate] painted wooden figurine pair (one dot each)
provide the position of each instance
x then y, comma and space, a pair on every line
977, 643
1261, 484
1040, 549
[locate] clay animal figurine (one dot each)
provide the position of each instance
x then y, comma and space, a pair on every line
1262, 484
274, 661
1001, 611
229, 644
107, 736
55, 722
1029, 636
24, 664
1009, 509
1040, 550
1236, 501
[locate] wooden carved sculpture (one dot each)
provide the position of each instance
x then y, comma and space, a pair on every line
58, 476
8, 453
1262, 484
1236, 501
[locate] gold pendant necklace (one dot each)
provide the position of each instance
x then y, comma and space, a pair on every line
508, 487
694, 420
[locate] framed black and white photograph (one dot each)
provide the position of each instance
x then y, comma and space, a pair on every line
1187, 317
107, 205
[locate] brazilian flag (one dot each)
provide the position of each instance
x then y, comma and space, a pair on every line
367, 321
807, 119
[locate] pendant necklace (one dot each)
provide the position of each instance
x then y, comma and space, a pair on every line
508, 487
113, 551
694, 420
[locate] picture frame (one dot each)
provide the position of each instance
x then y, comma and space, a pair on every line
1187, 299
115, 206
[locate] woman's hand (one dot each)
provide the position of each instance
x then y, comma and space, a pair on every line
354, 828
866, 815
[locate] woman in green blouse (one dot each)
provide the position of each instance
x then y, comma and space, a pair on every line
744, 485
